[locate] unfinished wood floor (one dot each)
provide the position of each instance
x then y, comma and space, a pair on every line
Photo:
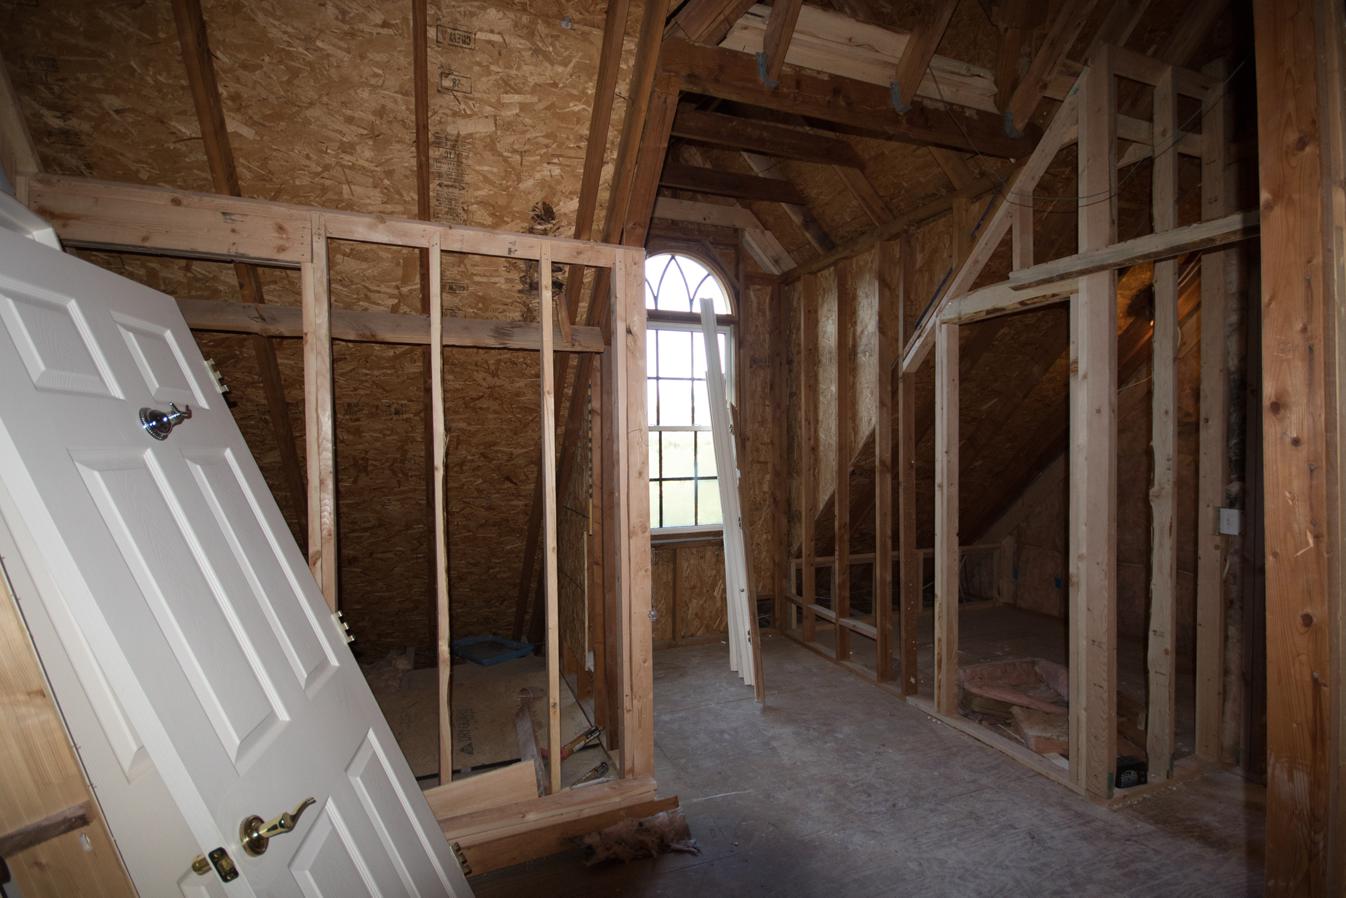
839, 789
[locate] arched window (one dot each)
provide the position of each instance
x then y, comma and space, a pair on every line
684, 490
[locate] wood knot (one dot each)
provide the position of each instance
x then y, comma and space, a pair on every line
1274, 406
1295, 441
1306, 619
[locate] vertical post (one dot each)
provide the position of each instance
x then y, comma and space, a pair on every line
1093, 457
890, 311
808, 444
1161, 647
841, 494
319, 437
614, 612
548, 461
1301, 157
780, 474
628, 341
596, 597
909, 561
946, 519
441, 550
1212, 468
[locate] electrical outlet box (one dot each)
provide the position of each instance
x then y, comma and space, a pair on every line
1231, 521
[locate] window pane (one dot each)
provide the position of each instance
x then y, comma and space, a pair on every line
675, 353
702, 404
654, 504
651, 402
705, 454
678, 503
654, 460
708, 502
652, 356
649, 291
675, 402
699, 355
678, 450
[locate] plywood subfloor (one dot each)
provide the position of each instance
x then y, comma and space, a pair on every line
484, 703
838, 789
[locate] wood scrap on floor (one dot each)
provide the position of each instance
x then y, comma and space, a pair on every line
630, 839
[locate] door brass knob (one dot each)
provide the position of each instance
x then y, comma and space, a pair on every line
256, 835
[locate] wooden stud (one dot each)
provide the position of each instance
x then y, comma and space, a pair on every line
596, 587
909, 562
808, 445
1299, 67
889, 326
1212, 469
946, 520
1161, 647
780, 471
628, 340
1093, 455
18, 155
549, 558
845, 416
439, 511
319, 435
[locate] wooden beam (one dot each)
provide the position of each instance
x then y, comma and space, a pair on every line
706, 21
1161, 644
843, 101
1300, 151
918, 53
319, 432
803, 218
909, 562
731, 184
380, 327
1213, 438
779, 353
191, 26
946, 520
1070, 19
1093, 452
1055, 280
955, 168
873, 205
767, 138
780, 27
122, 217
889, 345
834, 43
760, 243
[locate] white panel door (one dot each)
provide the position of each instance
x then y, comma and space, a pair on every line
183, 580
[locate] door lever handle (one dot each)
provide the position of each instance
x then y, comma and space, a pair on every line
160, 424
256, 835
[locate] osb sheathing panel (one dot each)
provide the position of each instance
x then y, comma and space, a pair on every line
492, 416
661, 578
864, 364
700, 597
756, 420
572, 530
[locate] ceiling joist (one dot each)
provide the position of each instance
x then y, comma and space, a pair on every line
766, 138
727, 75
732, 184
